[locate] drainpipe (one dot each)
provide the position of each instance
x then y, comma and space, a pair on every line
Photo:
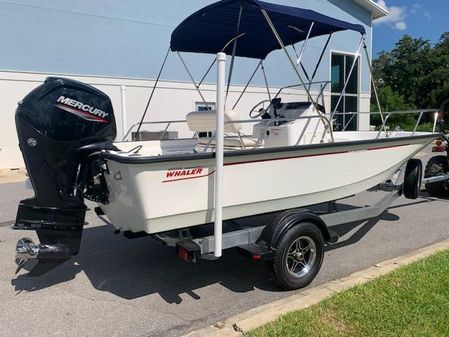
124, 112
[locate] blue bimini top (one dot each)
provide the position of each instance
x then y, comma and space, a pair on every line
211, 28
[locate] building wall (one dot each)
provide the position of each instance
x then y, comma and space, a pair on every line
129, 38
120, 43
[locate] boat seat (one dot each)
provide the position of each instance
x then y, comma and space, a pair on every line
205, 121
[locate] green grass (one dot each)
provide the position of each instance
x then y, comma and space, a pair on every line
411, 301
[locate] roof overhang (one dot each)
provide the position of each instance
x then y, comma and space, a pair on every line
376, 10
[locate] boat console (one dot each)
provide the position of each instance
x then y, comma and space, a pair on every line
282, 124
287, 124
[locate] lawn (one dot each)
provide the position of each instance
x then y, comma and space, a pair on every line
411, 301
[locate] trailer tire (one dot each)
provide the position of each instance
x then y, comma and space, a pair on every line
437, 166
412, 179
298, 257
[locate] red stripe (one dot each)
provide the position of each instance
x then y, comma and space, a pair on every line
84, 113
313, 155
286, 158
386, 147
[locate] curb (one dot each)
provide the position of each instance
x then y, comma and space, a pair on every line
12, 176
239, 324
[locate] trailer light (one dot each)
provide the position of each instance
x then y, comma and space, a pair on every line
183, 254
257, 257
188, 251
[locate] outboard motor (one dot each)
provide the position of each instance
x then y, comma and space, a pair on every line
62, 126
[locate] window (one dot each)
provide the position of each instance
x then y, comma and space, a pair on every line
201, 106
340, 71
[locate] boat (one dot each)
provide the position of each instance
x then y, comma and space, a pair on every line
284, 163
67, 136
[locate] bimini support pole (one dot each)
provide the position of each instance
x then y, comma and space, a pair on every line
219, 153
192, 79
356, 59
324, 119
373, 81
152, 93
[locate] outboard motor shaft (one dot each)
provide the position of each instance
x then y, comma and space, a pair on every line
60, 126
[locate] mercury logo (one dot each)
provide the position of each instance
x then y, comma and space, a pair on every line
82, 110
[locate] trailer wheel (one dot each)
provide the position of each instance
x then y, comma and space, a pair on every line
412, 179
437, 166
298, 257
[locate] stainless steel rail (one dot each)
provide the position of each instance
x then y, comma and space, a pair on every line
169, 123
268, 122
386, 116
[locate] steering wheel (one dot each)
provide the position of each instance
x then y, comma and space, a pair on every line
253, 113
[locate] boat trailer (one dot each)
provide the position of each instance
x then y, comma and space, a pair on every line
263, 242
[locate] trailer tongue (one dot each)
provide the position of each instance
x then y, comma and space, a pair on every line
59, 149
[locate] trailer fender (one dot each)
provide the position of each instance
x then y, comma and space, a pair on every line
286, 220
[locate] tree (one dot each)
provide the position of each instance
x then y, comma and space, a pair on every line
415, 74
438, 78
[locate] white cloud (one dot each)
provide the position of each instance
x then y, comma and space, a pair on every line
418, 9
415, 9
395, 18
401, 25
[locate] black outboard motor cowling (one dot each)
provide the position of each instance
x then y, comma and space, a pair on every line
60, 126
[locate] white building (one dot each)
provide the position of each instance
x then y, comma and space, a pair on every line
118, 47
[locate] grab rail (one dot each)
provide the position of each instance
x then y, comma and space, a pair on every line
268, 122
383, 126
153, 123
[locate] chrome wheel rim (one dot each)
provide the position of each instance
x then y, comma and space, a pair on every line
301, 256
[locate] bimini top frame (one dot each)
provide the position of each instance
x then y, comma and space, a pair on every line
258, 28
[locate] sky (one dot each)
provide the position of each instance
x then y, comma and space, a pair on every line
419, 18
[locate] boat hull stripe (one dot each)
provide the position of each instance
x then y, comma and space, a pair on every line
284, 158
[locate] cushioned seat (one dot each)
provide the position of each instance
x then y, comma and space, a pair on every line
205, 121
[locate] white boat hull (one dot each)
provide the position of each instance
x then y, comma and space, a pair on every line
160, 196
